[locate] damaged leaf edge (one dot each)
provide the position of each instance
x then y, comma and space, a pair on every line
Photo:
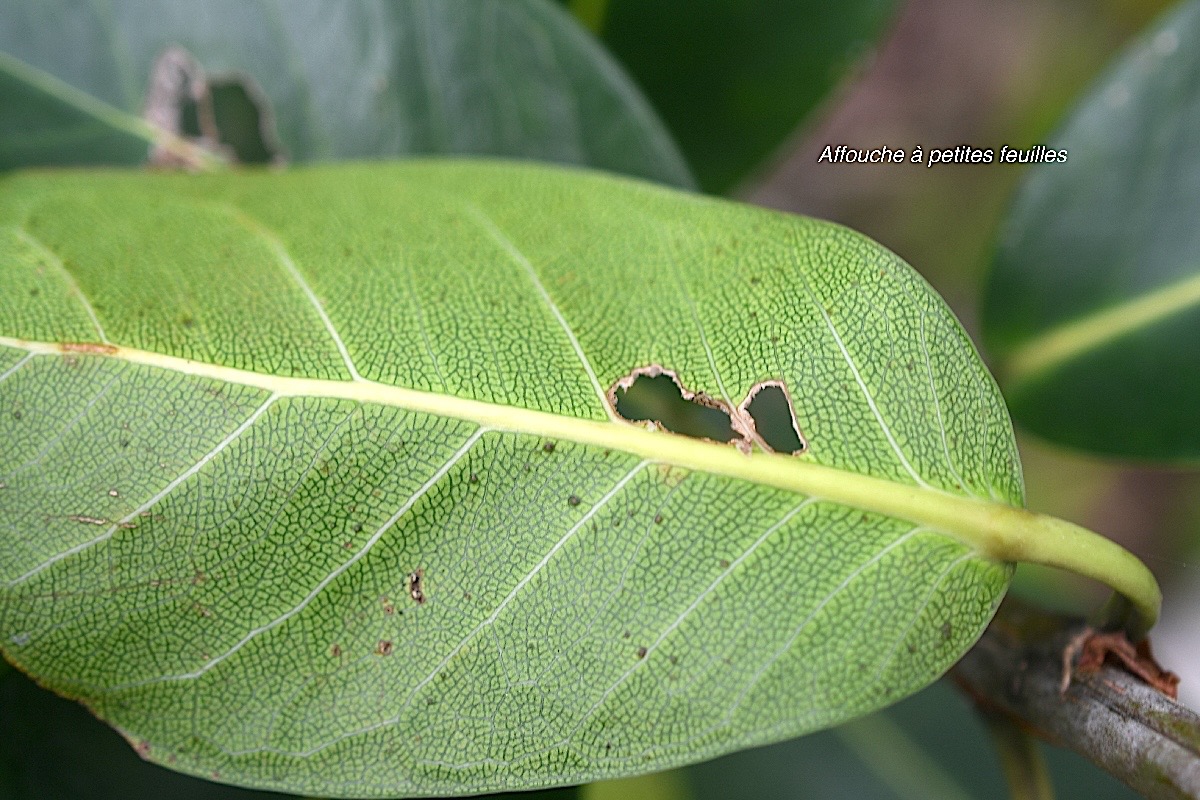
744, 410
737, 420
177, 76
740, 420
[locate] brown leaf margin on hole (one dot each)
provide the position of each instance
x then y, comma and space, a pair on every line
737, 419
1094, 648
744, 411
175, 78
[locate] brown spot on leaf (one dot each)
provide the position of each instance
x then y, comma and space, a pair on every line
641, 652
548, 447
573, 500
384, 648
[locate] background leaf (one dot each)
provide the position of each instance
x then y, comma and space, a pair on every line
1093, 307
515, 78
939, 720
56, 750
398, 371
64, 753
734, 79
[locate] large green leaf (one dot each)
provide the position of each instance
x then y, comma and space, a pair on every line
1094, 303
734, 78
242, 412
373, 78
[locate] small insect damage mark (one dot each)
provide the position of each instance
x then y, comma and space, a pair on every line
89, 348
89, 520
384, 648
227, 116
655, 396
416, 585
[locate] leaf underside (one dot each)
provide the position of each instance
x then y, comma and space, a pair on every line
226, 526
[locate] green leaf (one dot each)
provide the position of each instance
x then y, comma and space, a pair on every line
1094, 304
515, 78
734, 79
312, 480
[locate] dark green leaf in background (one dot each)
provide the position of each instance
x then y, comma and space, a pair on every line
942, 726
733, 78
64, 753
1093, 309
515, 78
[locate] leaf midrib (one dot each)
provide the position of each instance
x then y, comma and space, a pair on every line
968, 519
992, 530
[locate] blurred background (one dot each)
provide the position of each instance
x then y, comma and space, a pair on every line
938, 73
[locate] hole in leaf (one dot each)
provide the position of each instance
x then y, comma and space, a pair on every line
243, 122
235, 115
659, 398
229, 115
774, 420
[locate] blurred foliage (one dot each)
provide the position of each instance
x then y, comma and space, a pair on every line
877, 760
64, 753
734, 78
1093, 307
370, 79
